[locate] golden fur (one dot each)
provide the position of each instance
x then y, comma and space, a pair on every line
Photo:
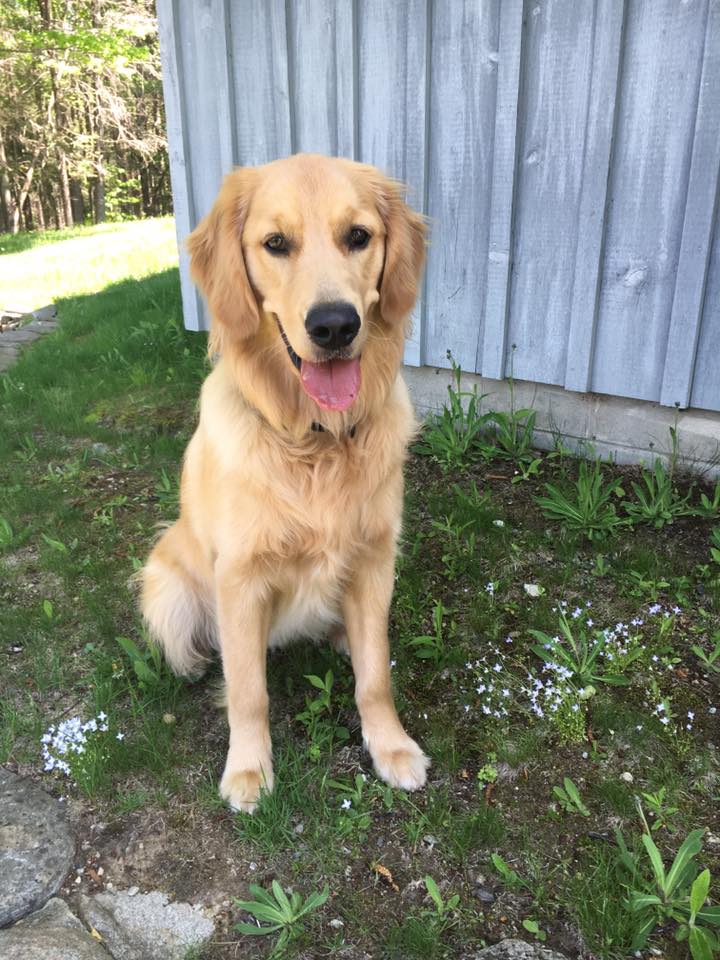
286, 531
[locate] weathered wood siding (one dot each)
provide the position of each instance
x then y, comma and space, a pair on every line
567, 153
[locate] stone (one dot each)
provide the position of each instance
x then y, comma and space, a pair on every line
145, 926
518, 950
36, 847
52, 933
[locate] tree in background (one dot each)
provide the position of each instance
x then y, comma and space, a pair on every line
82, 128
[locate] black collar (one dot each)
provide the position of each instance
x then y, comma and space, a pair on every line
319, 428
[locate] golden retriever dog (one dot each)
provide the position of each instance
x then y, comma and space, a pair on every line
292, 487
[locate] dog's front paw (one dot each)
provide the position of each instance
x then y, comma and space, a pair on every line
401, 764
242, 789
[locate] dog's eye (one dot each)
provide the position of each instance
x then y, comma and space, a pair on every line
358, 238
276, 244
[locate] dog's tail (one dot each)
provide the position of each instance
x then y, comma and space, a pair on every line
177, 607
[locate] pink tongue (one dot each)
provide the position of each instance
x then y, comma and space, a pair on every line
332, 385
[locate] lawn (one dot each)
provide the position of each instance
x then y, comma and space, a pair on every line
556, 645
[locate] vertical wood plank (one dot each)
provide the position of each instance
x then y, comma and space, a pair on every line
320, 34
661, 66
258, 55
171, 61
391, 44
597, 149
700, 213
490, 351
706, 375
463, 71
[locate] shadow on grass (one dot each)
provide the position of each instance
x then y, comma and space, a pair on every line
110, 350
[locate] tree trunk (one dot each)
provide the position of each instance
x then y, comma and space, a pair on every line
8, 200
58, 123
38, 214
77, 201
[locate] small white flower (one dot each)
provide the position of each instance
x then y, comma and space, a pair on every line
665, 720
533, 589
346, 804
498, 523
691, 715
119, 735
584, 754
393, 663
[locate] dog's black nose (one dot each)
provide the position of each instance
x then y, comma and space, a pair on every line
332, 326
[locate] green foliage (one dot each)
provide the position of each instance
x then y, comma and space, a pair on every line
580, 652
434, 646
275, 912
148, 664
318, 717
569, 798
532, 926
454, 436
711, 661
657, 895
6, 532
442, 908
709, 507
661, 811
715, 544
588, 508
657, 500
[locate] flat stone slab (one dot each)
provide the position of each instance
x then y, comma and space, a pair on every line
52, 933
145, 926
518, 950
36, 847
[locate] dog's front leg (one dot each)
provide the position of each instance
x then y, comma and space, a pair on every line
243, 622
398, 760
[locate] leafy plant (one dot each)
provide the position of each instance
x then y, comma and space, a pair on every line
569, 798
513, 434
453, 437
711, 661
147, 664
459, 545
581, 655
660, 811
354, 816
6, 532
442, 907
433, 646
276, 912
657, 500
677, 894
715, 544
318, 719
709, 508
509, 876
532, 926
590, 510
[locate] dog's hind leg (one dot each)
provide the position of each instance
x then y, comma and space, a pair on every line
176, 604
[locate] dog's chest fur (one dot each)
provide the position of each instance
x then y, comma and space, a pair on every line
297, 516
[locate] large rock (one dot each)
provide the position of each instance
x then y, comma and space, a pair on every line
36, 847
52, 933
518, 950
145, 926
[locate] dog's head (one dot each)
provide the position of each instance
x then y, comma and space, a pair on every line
319, 256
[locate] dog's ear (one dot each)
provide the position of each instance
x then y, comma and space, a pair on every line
217, 264
404, 250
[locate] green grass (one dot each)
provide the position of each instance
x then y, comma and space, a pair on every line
40, 268
95, 418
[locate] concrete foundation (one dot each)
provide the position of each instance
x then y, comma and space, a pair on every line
626, 431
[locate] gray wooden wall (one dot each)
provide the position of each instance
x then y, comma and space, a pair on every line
567, 153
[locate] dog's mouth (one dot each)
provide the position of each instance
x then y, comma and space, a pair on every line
333, 384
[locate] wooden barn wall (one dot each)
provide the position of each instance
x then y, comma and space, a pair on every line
567, 153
